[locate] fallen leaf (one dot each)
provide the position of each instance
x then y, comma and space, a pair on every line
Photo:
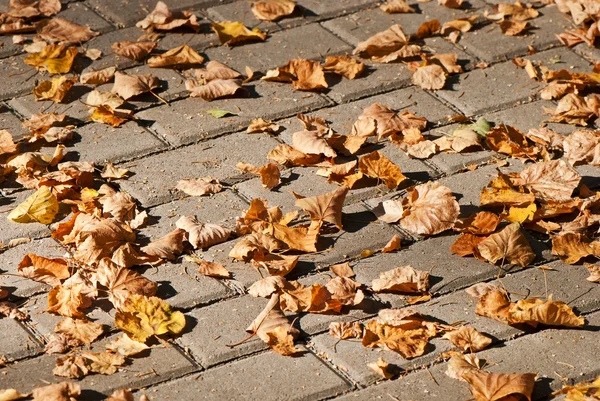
409, 343
342, 270
216, 113
82, 331
386, 42
428, 29
468, 339
181, 57
121, 395
56, 59
210, 269
535, 311
41, 207
142, 317
303, 74
68, 301
136, 51
481, 223
429, 209
376, 165
393, 244
553, 180
169, 247
513, 28
98, 77
93, 54
403, 279
54, 90
110, 171
594, 272
582, 391
345, 330
125, 346
382, 368
430, 77
273, 10
508, 244
261, 125
497, 386
460, 364
45, 270
203, 235
11, 311
236, 33
345, 66
397, 6
11, 394
121, 282
162, 19
65, 32
267, 286
571, 247
128, 86
310, 142
451, 3
65, 391
389, 211
326, 207
467, 244
199, 186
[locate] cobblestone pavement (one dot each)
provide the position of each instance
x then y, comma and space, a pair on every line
170, 142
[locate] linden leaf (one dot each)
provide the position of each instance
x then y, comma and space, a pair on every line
42, 207
509, 244
429, 209
142, 317
326, 207
235, 33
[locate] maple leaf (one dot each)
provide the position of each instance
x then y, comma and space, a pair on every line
273, 327
203, 235
63, 31
509, 244
326, 207
68, 300
303, 74
54, 90
316, 298
273, 10
162, 19
182, 56
136, 51
42, 207
121, 282
128, 86
142, 317
487, 386
402, 279
345, 66
468, 339
65, 391
553, 180
236, 33
376, 165
81, 330
429, 209
56, 59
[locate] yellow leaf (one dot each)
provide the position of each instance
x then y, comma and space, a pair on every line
42, 206
233, 33
56, 59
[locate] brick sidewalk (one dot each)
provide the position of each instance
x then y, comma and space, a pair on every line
167, 143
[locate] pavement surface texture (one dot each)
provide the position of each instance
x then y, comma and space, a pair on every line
169, 142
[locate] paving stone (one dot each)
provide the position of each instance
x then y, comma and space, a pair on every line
590, 53
127, 14
312, 380
11, 230
495, 87
385, 77
459, 306
359, 26
160, 363
549, 23
309, 41
28, 105
96, 143
82, 15
155, 177
10, 122
104, 43
20, 286
19, 344
527, 116
186, 121
19, 78
328, 9
561, 58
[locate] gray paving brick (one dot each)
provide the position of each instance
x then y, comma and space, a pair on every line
156, 176
19, 78
97, 143
82, 15
127, 14
549, 23
359, 26
309, 41
186, 121
311, 380
590, 53
104, 43
328, 9
10, 122
159, 364
527, 116
17, 343
20, 286
27, 105
567, 284
495, 87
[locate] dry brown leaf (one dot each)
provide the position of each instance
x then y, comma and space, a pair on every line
451, 3
29, 9
535, 311
121, 282
326, 207
594, 272
382, 368
345, 290
54, 90
82, 331
310, 142
430, 77
480, 223
63, 31
508, 244
203, 235
121, 395
215, 89
169, 247
393, 244
582, 146
110, 171
199, 186
180, 57
316, 298
342, 270
303, 74
397, 6
390, 122
45, 270
517, 11
236, 33
571, 247
376, 165
56, 59
409, 343
459, 364
403, 279
209, 269
497, 386
128, 86
261, 125
386, 42
11, 311
583, 391
273, 10
468, 339
162, 19
428, 29
267, 286
125, 346
98, 77
65, 391
554, 180
345, 330
344, 65
467, 244
513, 28
68, 301
574, 109
136, 51
389, 211
500, 193
429, 209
